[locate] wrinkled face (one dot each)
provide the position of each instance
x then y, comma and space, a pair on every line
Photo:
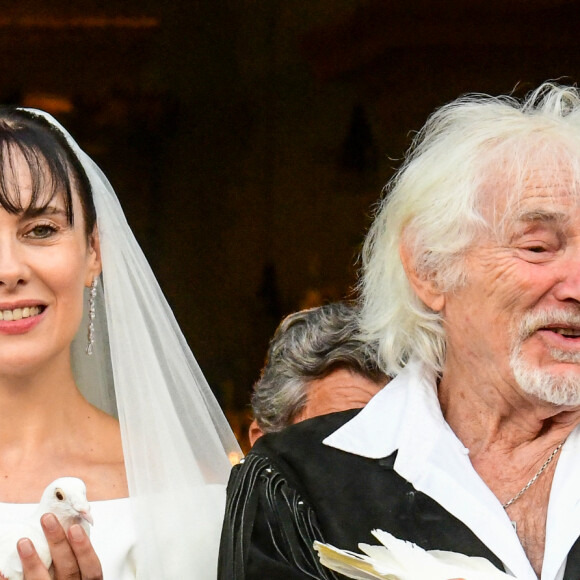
45, 263
338, 391
517, 320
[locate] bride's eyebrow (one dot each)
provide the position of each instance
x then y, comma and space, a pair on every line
38, 211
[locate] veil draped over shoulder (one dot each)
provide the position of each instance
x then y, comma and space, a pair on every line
176, 440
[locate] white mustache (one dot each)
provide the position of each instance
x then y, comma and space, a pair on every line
533, 321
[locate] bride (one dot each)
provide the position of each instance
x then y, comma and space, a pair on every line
156, 476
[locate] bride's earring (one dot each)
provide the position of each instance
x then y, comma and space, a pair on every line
91, 334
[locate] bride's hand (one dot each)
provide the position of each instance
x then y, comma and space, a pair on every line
73, 556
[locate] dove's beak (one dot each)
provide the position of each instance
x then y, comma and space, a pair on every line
85, 514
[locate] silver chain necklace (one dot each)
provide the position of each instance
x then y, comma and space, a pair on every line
533, 480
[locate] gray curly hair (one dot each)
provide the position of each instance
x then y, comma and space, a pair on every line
309, 345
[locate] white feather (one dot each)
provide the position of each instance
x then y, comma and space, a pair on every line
66, 498
400, 560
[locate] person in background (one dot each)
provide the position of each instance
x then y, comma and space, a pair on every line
471, 286
316, 364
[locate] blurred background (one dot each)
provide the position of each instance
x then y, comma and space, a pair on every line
248, 140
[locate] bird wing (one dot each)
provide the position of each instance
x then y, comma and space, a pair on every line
10, 564
349, 564
448, 564
398, 559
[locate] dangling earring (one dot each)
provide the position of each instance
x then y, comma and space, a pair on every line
91, 334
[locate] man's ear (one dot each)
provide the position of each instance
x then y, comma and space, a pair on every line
94, 257
426, 288
254, 432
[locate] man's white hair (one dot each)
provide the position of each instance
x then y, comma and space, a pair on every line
468, 152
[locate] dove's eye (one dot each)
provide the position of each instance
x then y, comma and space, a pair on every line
59, 494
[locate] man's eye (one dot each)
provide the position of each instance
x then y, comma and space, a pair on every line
536, 249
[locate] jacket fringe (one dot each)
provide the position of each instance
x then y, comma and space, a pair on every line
259, 490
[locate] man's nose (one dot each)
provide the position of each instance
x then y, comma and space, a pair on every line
568, 288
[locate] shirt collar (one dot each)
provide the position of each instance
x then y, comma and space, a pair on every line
390, 418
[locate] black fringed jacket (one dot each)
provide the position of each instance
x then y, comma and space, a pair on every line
292, 490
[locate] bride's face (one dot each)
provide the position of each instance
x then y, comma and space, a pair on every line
45, 263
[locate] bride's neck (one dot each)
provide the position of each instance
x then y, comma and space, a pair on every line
34, 395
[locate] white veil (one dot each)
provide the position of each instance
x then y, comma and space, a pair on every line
176, 440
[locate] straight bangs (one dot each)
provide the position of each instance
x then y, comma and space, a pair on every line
49, 175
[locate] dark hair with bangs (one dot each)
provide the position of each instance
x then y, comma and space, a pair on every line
46, 152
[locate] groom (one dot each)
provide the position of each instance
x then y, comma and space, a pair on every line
472, 288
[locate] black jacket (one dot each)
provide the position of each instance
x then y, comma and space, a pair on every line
292, 489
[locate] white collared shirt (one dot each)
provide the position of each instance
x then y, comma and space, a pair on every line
406, 416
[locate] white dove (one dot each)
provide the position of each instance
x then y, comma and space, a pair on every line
66, 498
400, 560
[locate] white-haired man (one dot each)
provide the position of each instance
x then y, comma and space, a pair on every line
472, 287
